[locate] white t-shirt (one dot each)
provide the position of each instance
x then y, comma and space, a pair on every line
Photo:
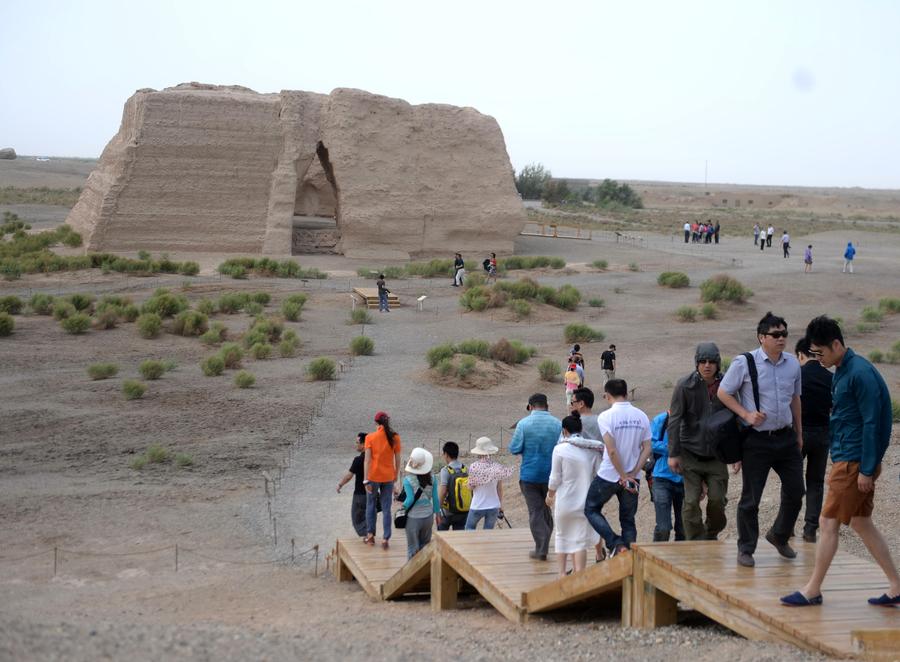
485, 497
785, 239
687, 227
629, 427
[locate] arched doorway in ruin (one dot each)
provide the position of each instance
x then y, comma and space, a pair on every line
316, 208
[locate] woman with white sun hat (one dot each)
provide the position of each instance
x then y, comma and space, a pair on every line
419, 500
485, 476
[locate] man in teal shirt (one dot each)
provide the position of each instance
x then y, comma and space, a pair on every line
860, 433
534, 439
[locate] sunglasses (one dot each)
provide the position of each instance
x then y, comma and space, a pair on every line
777, 334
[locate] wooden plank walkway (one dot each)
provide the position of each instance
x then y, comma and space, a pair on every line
368, 296
374, 567
706, 577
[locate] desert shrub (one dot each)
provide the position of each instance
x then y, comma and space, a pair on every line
673, 279
896, 347
890, 306
475, 347
62, 310
112, 301
360, 316
185, 460
524, 288
362, 346
444, 367
596, 303
520, 307
239, 267
724, 288
511, 351
189, 268
169, 364
41, 304
156, 454
634, 266
474, 279
321, 369
244, 379
10, 304
475, 298
206, 306
549, 370
291, 336
298, 298
108, 319
567, 297
876, 356
430, 269
7, 324
602, 265
133, 389
231, 355
232, 302
216, 334
867, 327
10, 270
212, 366
686, 314
148, 325
130, 313
523, 352
263, 330
439, 352
82, 301
726, 363
709, 311
102, 370
545, 294
253, 309
291, 311
530, 262
579, 332
287, 349
895, 411
165, 304
139, 462
871, 315
151, 369
261, 350
76, 324
465, 366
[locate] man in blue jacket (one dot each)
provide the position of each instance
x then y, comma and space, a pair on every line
534, 439
860, 433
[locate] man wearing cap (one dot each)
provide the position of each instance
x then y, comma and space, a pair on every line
691, 451
534, 439
775, 439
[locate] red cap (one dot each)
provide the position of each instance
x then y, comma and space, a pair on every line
381, 416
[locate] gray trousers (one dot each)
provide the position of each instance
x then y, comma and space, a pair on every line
696, 470
540, 517
418, 534
358, 514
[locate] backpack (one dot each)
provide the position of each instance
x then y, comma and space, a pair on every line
486, 264
459, 494
725, 427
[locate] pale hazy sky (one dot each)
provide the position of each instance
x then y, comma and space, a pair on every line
792, 92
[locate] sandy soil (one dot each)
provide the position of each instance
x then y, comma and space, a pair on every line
66, 443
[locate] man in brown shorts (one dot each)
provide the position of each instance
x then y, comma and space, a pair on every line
861, 427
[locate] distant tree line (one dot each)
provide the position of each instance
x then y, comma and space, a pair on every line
535, 182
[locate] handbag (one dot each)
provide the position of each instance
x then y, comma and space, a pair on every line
725, 427
400, 516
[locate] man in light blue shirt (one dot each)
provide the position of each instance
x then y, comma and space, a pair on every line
534, 439
774, 440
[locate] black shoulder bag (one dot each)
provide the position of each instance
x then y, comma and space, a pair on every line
726, 428
400, 515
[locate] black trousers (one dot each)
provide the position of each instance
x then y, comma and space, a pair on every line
762, 453
816, 444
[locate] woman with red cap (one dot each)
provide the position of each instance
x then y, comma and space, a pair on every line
381, 467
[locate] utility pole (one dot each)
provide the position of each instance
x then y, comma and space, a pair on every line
705, 172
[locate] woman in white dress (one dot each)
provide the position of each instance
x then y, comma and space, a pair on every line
573, 468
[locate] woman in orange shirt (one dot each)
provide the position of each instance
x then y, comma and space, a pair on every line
382, 465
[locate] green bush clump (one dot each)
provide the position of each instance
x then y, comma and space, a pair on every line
362, 346
465, 366
231, 355
686, 314
232, 302
673, 279
287, 348
216, 334
291, 336
10, 269
602, 265
474, 279
156, 454
184, 460
98, 371
265, 267
148, 325
76, 324
212, 366
438, 353
41, 304
524, 288
261, 350
263, 330
165, 304
360, 316
444, 367
871, 315
291, 311
139, 462
709, 311
889, 305
189, 323
108, 319
579, 332
82, 302
475, 298
298, 298
254, 309
895, 411
62, 310
475, 347
520, 307
530, 262
567, 298
206, 306
549, 370
133, 389
867, 327
244, 379
130, 313
876, 356
596, 303
11, 304
7, 324
511, 351
634, 266
151, 369
189, 268
321, 369
724, 288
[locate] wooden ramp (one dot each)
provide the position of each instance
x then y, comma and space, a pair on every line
496, 564
382, 573
706, 577
368, 296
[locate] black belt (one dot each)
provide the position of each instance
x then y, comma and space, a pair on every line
775, 433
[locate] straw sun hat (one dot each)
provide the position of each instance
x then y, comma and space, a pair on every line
420, 461
484, 446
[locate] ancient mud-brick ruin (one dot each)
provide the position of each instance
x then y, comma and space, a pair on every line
225, 169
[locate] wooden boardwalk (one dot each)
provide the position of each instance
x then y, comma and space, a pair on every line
382, 573
368, 296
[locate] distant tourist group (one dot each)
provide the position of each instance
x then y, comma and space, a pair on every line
702, 233
768, 411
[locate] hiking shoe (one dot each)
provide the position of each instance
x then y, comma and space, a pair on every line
537, 557
745, 559
783, 548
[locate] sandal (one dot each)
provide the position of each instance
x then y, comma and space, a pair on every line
369, 539
384, 544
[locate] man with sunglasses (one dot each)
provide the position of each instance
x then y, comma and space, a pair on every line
774, 440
